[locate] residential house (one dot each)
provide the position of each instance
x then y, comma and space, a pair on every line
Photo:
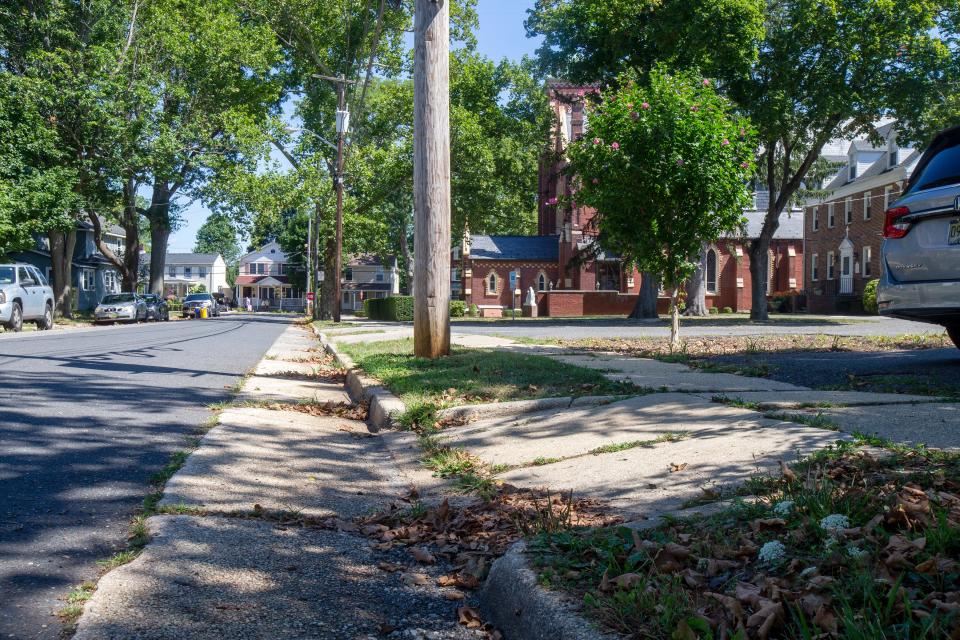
573, 275
93, 276
263, 280
844, 230
368, 276
184, 271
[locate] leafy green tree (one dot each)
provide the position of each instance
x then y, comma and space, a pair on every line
804, 71
666, 167
218, 235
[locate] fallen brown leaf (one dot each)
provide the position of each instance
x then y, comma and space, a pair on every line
469, 617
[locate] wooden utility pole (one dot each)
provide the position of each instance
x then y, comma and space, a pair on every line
431, 178
338, 182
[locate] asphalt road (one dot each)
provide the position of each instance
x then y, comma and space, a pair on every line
87, 416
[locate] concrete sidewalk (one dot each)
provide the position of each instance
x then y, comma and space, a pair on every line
242, 561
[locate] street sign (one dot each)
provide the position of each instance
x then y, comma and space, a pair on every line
310, 295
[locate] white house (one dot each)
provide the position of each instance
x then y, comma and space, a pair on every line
182, 271
263, 279
367, 276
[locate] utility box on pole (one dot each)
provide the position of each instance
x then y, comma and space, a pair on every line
431, 178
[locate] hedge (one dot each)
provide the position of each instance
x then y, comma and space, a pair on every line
870, 297
400, 308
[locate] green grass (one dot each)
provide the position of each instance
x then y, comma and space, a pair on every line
634, 444
476, 375
818, 420
668, 581
934, 385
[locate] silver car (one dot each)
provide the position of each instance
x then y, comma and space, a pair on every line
24, 295
121, 307
920, 277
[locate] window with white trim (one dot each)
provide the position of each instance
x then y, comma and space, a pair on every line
491, 283
88, 280
831, 221
887, 191
542, 282
202, 272
867, 259
711, 271
866, 205
188, 272
110, 281
454, 275
814, 270
172, 271
848, 211
829, 265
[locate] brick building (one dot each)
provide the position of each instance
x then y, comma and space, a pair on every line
572, 275
844, 231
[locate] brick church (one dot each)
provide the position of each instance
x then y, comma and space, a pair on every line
572, 275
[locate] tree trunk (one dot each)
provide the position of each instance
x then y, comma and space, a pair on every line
696, 288
127, 264
328, 295
407, 258
646, 306
759, 268
675, 318
159, 216
61, 261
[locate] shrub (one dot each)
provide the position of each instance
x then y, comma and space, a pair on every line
727, 310
714, 310
360, 313
870, 297
458, 308
474, 311
198, 288
399, 308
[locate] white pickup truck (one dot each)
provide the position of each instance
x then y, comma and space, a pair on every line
24, 295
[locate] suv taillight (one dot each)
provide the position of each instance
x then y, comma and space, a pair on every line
894, 227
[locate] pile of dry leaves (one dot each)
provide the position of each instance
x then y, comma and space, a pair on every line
848, 545
468, 537
323, 409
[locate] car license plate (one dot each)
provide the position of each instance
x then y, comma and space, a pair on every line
953, 237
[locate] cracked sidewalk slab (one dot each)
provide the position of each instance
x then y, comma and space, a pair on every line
261, 388
797, 399
578, 431
932, 424
240, 579
285, 461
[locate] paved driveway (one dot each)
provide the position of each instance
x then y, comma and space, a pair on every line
87, 417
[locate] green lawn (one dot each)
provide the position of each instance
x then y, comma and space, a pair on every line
476, 375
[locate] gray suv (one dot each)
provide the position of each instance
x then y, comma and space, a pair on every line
24, 295
920, 277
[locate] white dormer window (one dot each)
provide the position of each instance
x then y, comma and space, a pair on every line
853, 170
893, 156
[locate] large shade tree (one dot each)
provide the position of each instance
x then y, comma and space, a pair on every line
804, 71
665, 165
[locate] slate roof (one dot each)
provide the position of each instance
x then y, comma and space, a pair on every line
191, 258
533, 248
791, 225
365, 286
371, 260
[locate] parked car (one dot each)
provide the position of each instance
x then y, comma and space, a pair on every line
157, 308
920, 275
121, 307
199, 301
24, 295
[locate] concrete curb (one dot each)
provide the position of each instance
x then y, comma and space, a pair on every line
384, 407
513, 601
474, 412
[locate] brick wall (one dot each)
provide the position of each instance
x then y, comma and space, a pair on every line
480, 270
865, 234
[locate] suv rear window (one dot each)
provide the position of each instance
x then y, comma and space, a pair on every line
943, 169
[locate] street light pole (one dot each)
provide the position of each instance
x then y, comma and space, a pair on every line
343, 122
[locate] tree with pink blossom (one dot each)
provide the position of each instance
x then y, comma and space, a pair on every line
667, 177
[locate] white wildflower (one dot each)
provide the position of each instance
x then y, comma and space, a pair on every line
835, 522
772, 552
856, 552
783, 508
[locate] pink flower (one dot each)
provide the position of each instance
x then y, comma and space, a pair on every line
743, 133
629, 105
679, 162
695, 108
596, 181
634, 115
615, 146
706, 82
744, 165
645, 106
725, 142
581, 93
551, 201
596, 141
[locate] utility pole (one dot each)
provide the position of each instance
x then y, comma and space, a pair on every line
431, 178
343, 126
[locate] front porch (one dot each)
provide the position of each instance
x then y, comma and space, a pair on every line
269, 295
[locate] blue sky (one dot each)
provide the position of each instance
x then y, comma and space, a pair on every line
501, 35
